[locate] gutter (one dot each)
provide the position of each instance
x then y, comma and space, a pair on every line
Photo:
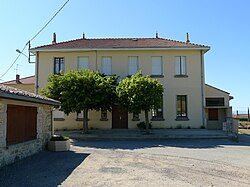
120, 48
29, 99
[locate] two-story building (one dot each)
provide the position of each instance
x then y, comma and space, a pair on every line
179, 66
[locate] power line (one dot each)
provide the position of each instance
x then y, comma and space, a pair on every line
34, 38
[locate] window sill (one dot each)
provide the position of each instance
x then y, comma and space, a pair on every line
157, 119
104, 119
59, 119
80, 119
156, 76
181, 119
135, 119
181, 76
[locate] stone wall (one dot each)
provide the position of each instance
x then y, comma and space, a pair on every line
12, 153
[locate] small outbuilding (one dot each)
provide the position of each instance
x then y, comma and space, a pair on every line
25, 123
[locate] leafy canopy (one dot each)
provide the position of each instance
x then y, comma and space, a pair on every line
140, 93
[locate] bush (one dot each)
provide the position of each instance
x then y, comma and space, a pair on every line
202, 127
188, 127
59, 138
142, 125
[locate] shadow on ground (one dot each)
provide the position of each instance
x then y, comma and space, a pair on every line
43, 169
179, 143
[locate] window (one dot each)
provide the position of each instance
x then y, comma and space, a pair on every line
58, 65
132, 65
83, 63
214, 101
136, 116
213, 114
180, 65
107, 65
156, 65
21, 124
181, 106
58, 115
157, 113
104, 115
79, 116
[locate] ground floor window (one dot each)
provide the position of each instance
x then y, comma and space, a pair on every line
157, 113
104, 115
213, 114
21, 124
136, 116
181, 112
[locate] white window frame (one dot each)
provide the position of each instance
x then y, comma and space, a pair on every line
133, 65
181, 65
84, 61
105, 61
156, 65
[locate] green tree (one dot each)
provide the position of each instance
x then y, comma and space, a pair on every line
82, 91
140, 93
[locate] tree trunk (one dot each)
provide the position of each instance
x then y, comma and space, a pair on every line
147, 121
85, 120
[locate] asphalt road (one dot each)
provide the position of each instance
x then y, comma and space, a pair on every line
136, 163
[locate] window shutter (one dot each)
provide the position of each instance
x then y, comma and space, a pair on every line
183, 65
132, 65
156, 65
83, 63
106, 65
177, 65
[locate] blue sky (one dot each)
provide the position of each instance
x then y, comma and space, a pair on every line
223, 25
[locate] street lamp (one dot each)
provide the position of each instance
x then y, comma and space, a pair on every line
17, 50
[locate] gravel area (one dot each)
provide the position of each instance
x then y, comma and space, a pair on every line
136, 163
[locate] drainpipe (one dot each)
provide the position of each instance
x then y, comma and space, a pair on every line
202, 89
37, 66
96, 60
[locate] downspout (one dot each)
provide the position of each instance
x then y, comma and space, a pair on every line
96, 60
202, 89
37, 66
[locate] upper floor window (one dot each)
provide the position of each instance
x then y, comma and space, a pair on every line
215, 102
58, 64
156, 65
132, 65
106, 65
180, 65
181, 106
83, 63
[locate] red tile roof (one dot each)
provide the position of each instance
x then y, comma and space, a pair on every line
18, 94
119, 43
25, 80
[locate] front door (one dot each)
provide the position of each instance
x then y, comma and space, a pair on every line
119, 117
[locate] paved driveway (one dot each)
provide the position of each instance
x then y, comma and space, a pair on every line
136, 163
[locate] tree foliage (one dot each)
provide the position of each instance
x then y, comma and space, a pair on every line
140, 93
82, 91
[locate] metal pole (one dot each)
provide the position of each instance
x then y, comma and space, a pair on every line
247, 114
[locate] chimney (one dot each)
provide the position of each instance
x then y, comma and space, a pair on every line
83, 35
54, 38
156, 35
187, 38
18, 79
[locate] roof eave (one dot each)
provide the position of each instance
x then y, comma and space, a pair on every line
29, 99
120, 48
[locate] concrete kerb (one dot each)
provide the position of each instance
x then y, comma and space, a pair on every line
156, 134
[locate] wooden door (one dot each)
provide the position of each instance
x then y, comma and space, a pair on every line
119, 117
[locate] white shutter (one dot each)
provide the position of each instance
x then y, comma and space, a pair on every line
132, 65
183, 65
107, 65
157, 65
83, 63
177, 65
58, 114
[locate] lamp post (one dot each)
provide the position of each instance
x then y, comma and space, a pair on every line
17, 50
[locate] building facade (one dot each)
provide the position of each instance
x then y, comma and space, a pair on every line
179, 66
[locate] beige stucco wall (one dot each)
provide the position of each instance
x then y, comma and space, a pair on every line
190, 86
211, 92
12, 153
27, 87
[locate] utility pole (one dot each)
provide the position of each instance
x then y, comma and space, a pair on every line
248, 114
